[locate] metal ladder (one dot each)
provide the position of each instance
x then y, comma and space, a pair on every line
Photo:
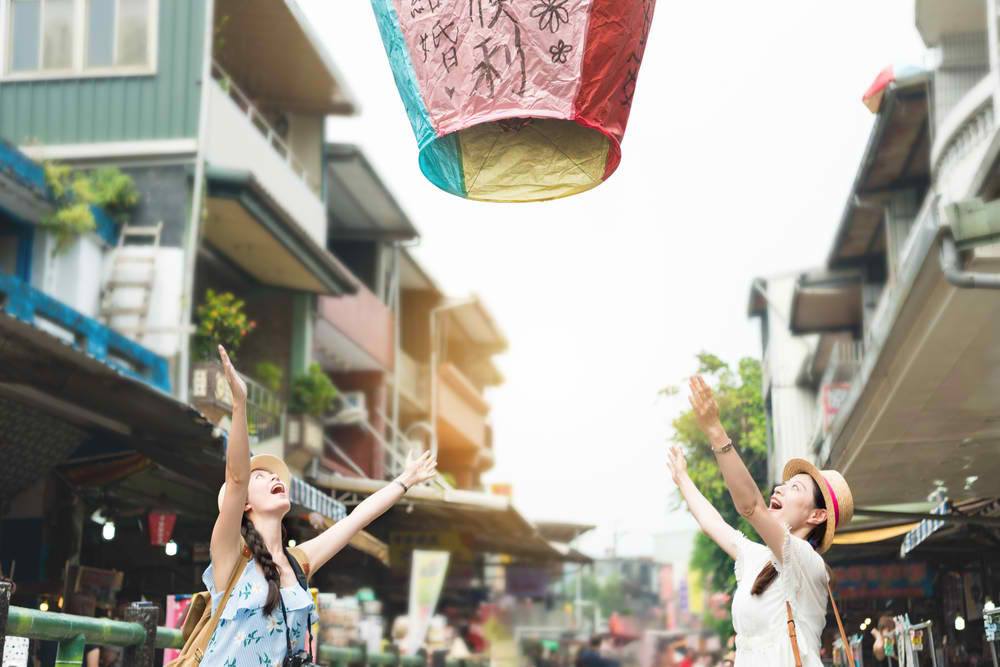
148, 237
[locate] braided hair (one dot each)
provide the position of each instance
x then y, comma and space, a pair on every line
261, 554
815, 538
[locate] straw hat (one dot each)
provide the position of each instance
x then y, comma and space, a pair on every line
836, 493
271, 464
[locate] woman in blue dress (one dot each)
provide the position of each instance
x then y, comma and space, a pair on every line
268, 614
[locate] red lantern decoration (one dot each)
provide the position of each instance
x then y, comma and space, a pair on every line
161, 527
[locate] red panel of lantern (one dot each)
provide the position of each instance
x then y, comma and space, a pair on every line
161, 527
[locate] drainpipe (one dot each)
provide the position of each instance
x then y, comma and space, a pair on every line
197, 201
397, 310
951, 267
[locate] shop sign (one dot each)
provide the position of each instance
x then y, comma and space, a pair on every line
924, 529
895, 580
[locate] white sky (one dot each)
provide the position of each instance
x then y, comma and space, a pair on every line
746, 131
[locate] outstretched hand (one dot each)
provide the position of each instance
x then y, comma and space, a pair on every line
237, 385
676, 464
420, 469
706, 410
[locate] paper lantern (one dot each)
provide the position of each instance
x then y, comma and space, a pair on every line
161, 527
516, 100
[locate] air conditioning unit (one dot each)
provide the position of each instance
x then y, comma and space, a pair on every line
352, 410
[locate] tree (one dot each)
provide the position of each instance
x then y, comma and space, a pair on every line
741, 408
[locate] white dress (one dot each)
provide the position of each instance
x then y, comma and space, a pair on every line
760, 621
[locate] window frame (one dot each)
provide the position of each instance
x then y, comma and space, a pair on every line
79, 69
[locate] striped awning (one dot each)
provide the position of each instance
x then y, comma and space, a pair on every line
312, 499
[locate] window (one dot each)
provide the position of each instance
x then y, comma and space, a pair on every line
80, 37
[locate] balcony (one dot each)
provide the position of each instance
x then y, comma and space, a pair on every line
25, 303
240, 138
414, 383
355, 333
461, 414
210, 394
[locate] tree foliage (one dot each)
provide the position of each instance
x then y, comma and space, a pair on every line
741, 408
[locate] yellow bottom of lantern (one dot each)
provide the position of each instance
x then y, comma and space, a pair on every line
518, 160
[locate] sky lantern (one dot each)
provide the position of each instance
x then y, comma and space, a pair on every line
516, 100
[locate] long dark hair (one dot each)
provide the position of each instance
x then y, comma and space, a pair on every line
815, 538
261, 554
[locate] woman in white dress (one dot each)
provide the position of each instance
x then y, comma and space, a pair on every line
797, 526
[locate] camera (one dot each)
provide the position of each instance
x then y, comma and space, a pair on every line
298, 659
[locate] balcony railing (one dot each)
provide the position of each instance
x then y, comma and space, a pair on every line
257, 119
414, 380
29, 305
210, 393
461, 411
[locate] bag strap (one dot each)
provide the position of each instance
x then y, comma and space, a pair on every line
840, 625
791, 635
213, 623
300, 569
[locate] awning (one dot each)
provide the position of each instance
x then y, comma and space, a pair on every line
874, 534
488, 524
23, 190
364, 542
826, 302
359, 204
44, 371
474, 324
270, 48
413, 276
896, 157
562, 531
252, 230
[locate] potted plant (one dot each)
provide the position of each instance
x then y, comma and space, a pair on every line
221, 321
312, 395
76, 193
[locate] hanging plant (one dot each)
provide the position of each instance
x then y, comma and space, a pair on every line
312, 393
221, 321
74, 192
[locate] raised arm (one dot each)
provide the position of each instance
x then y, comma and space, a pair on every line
327, 544
708, 517
745, 494
225, 545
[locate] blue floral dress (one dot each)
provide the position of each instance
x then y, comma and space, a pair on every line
245, 637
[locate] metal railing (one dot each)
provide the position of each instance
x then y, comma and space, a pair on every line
22, 301
257, 119
265, 410
342, 657
140, 636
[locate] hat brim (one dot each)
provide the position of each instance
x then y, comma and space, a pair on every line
798, 466
271, 464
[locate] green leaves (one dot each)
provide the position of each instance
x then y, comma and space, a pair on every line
221, 321
75, 191
312, 393
741, 409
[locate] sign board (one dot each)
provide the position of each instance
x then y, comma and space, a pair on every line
894, 580
426, 580
924, 529
15, 652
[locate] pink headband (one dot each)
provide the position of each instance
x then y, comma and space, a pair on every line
836, 505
